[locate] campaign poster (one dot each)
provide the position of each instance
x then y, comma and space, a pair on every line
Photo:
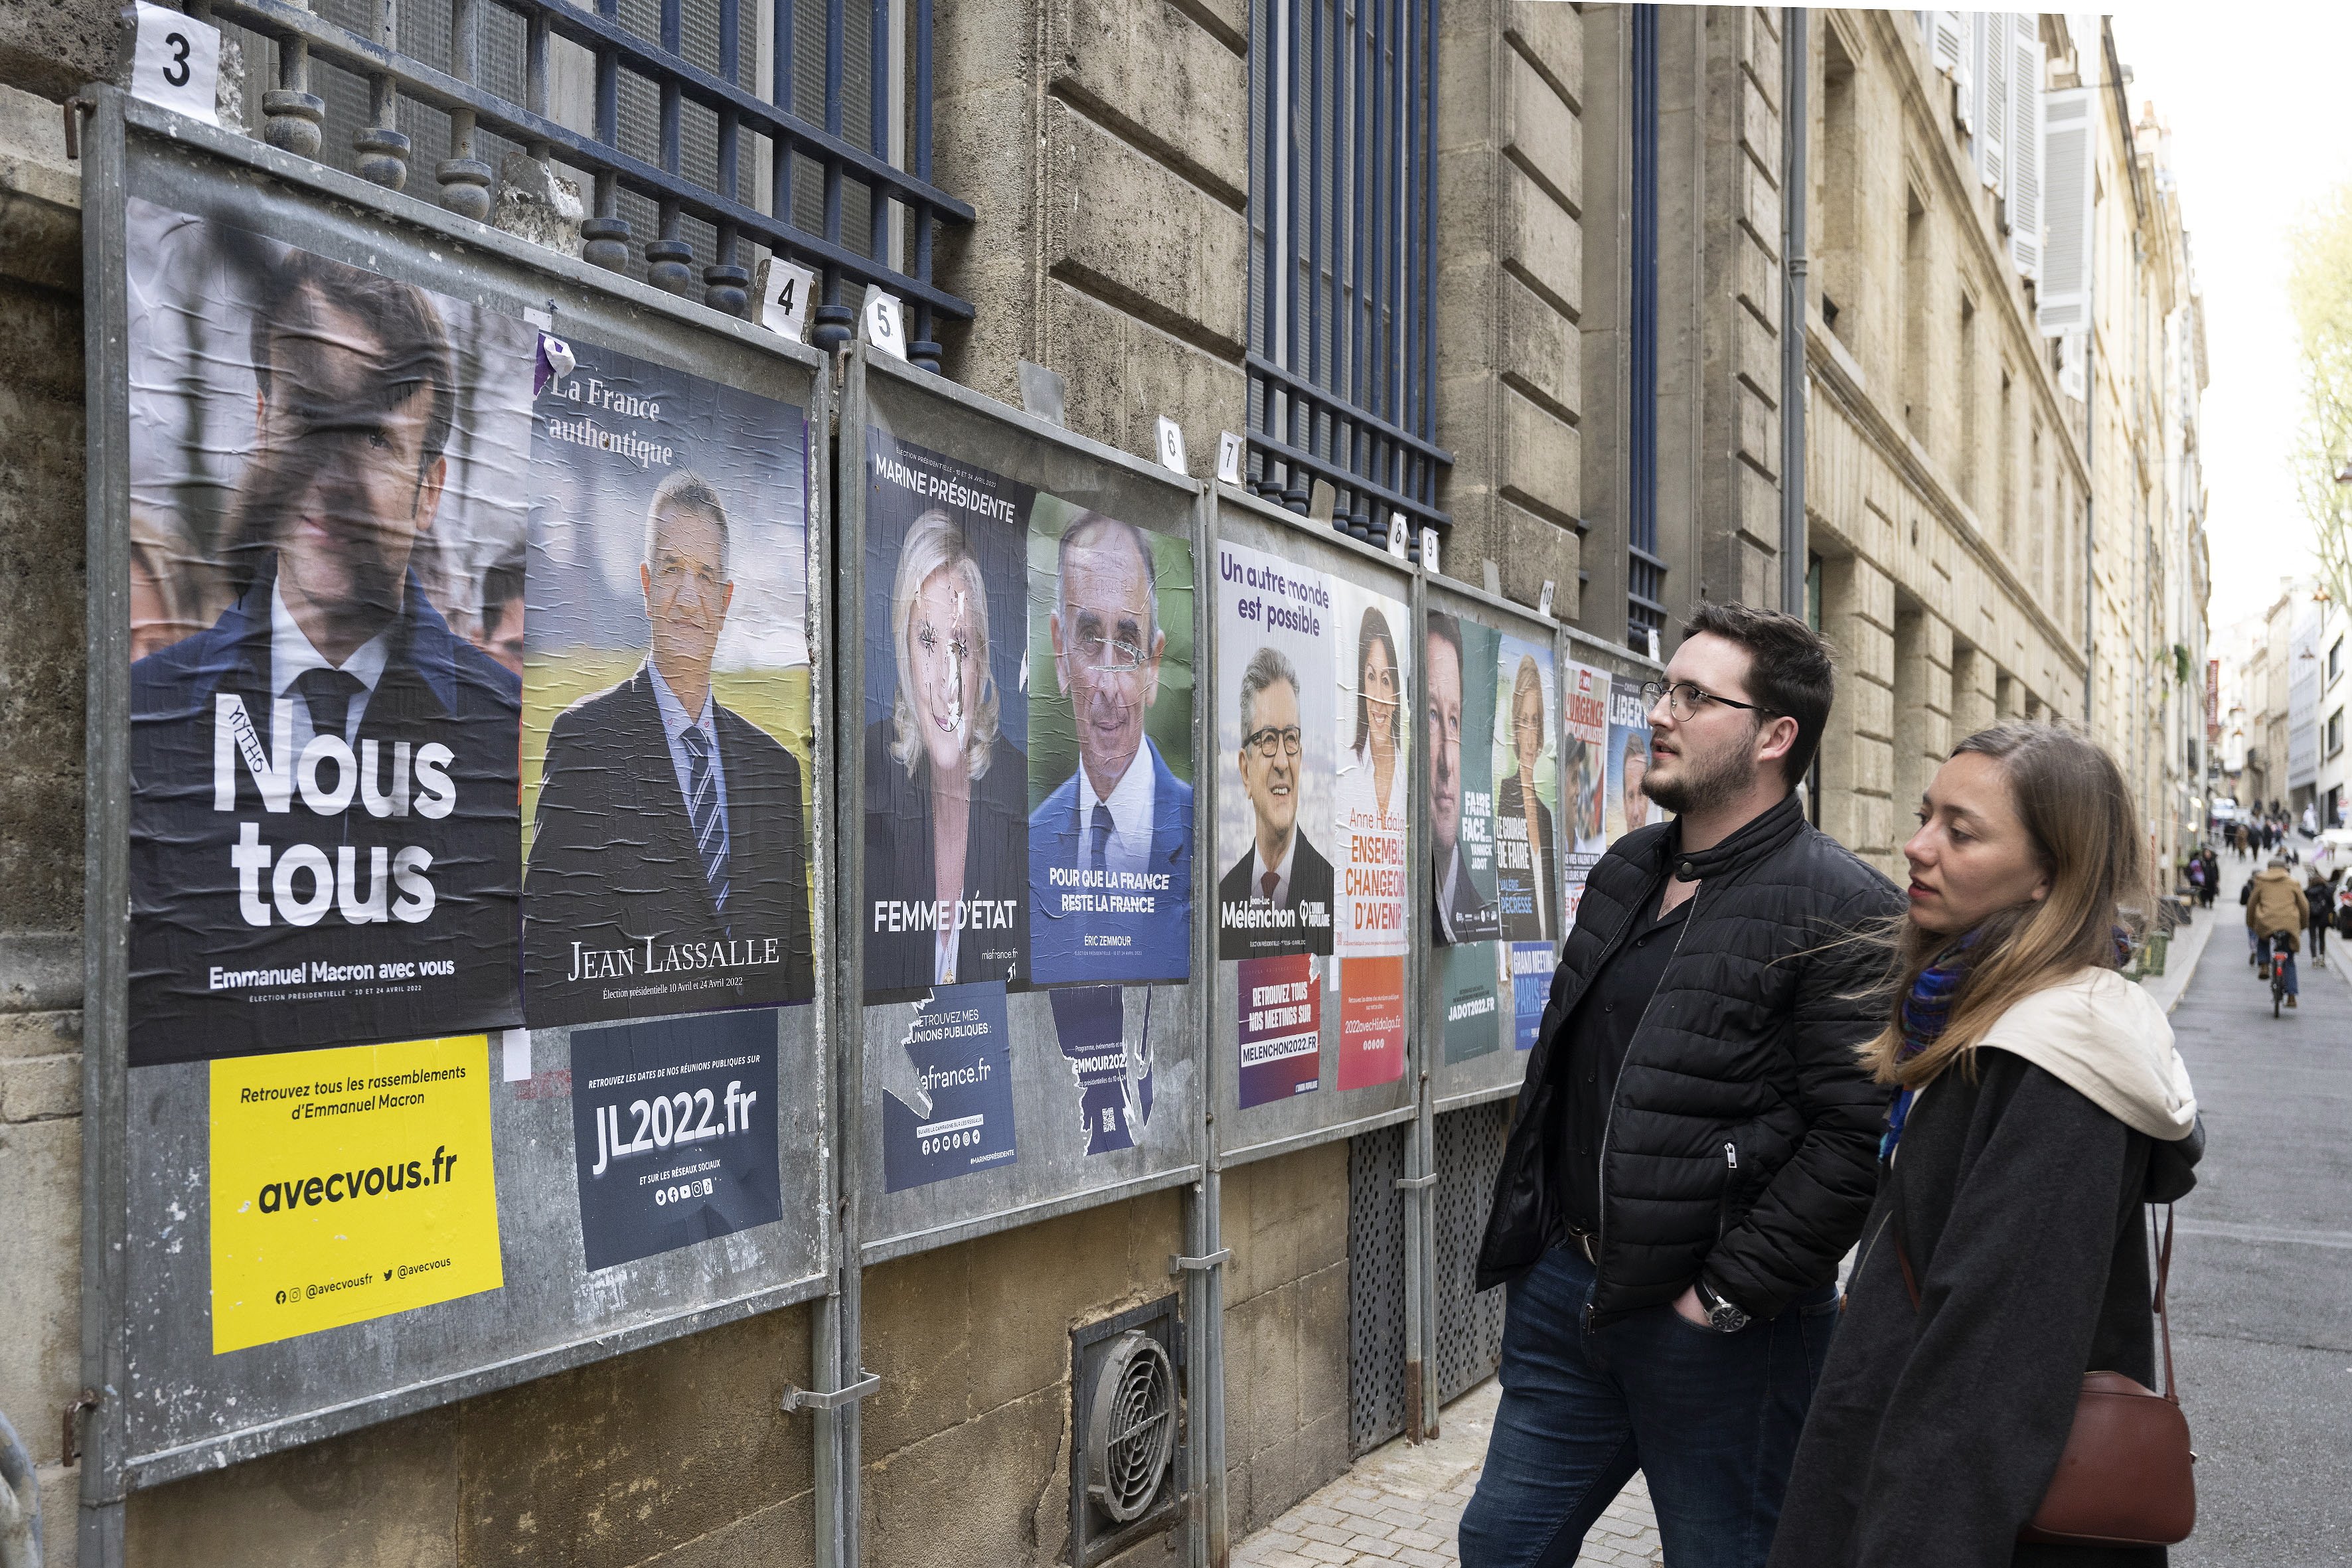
327, 470
1110, 1060
1472, 996
1371, 1022
1584, 768
1111, 749
1274, 723
946, 723
1281, 1027
1531, 971
665, 738
1370, 807
1628, 760
348, 1184
674, 1132
1527, 791
947, 1107
1460, 700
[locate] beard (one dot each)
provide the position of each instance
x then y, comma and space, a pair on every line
1705, 782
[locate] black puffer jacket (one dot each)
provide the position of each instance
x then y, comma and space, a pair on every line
1749, 1041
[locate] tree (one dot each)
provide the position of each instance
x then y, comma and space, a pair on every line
2319, 291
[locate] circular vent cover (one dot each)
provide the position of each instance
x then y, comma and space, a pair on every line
1131, 1429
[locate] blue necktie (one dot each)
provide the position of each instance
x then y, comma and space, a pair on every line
702, 811
1099, 836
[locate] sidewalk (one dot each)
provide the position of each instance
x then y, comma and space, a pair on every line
1401, 1504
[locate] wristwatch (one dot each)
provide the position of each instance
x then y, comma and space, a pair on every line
1721, 1315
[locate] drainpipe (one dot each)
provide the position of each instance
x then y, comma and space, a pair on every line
1796, 71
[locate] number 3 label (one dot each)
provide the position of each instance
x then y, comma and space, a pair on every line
175, 62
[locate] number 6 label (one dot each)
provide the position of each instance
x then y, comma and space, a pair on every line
175, 62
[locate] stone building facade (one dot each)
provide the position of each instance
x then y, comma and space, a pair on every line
1612, 347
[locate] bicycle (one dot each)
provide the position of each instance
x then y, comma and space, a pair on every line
2273, 967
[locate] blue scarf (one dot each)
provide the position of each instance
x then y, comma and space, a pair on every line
1927, 1008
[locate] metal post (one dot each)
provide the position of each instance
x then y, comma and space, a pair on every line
1796, 65
1209, 1539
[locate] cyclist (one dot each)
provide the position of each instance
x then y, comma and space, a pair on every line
2276, 913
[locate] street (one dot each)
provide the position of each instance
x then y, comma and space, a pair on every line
2263, 1325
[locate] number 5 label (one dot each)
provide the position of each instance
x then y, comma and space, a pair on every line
883, 328
175, 62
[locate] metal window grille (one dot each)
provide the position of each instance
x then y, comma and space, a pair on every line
657, 106
1343, 213
1645, 569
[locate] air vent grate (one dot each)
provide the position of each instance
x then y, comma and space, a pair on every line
1131, 1433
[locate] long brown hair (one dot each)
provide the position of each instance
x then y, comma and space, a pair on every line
2085, 831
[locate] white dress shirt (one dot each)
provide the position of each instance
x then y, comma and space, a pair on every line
1130, 803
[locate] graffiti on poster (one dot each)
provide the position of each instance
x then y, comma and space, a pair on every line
1628, 760
674, 1132
326, 472
1111, 749
1460, 714
1368, 803
955, 1116
1281, 1027
946, 728
1525, 766
1275, 725
1584, 768
1111, 1063
348, 1184
666, 752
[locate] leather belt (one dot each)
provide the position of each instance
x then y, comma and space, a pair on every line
1585, 1242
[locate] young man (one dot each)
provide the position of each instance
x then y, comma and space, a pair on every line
1696, 1145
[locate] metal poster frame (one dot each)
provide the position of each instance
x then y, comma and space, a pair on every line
873, 375
1320, 545
134, 149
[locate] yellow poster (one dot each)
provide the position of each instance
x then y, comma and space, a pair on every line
349, 1184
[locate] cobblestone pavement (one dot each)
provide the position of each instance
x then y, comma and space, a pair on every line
1402, 1504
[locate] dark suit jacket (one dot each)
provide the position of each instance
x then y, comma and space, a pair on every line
899, 870
187, 914
1544, 858
1474, 916
1310, 884
612, 863
1159, 946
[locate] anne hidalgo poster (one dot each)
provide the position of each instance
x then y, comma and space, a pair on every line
1275, 731
944, 904
1369, 818
666, 695
1111, 749
326, 471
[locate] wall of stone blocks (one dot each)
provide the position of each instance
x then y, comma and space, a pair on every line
1510, 162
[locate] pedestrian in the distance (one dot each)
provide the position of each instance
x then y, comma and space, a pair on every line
2212, 876
2040, 1102
1695, 1146
2276, 913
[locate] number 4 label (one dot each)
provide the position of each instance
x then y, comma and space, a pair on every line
175, 62
784, 299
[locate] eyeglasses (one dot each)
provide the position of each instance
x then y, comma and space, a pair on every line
1689, 698
1107, 656
1271, 743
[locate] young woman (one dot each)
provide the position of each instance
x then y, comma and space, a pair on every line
2039, 1104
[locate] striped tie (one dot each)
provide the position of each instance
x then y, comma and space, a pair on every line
702, 810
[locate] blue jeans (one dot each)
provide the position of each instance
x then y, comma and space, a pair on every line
1711, 1419
2284, 960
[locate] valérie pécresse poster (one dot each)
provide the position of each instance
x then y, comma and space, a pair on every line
666, 727
327, 480
1527, 789
946, 724
1110, 749
348, 1184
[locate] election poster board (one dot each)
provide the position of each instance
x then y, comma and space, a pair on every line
354, 1181
1315, 855
665, 679
1024, 893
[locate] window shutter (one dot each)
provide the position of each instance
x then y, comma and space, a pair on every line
1989, 50
2025, 146
1946, 38
2069, 186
